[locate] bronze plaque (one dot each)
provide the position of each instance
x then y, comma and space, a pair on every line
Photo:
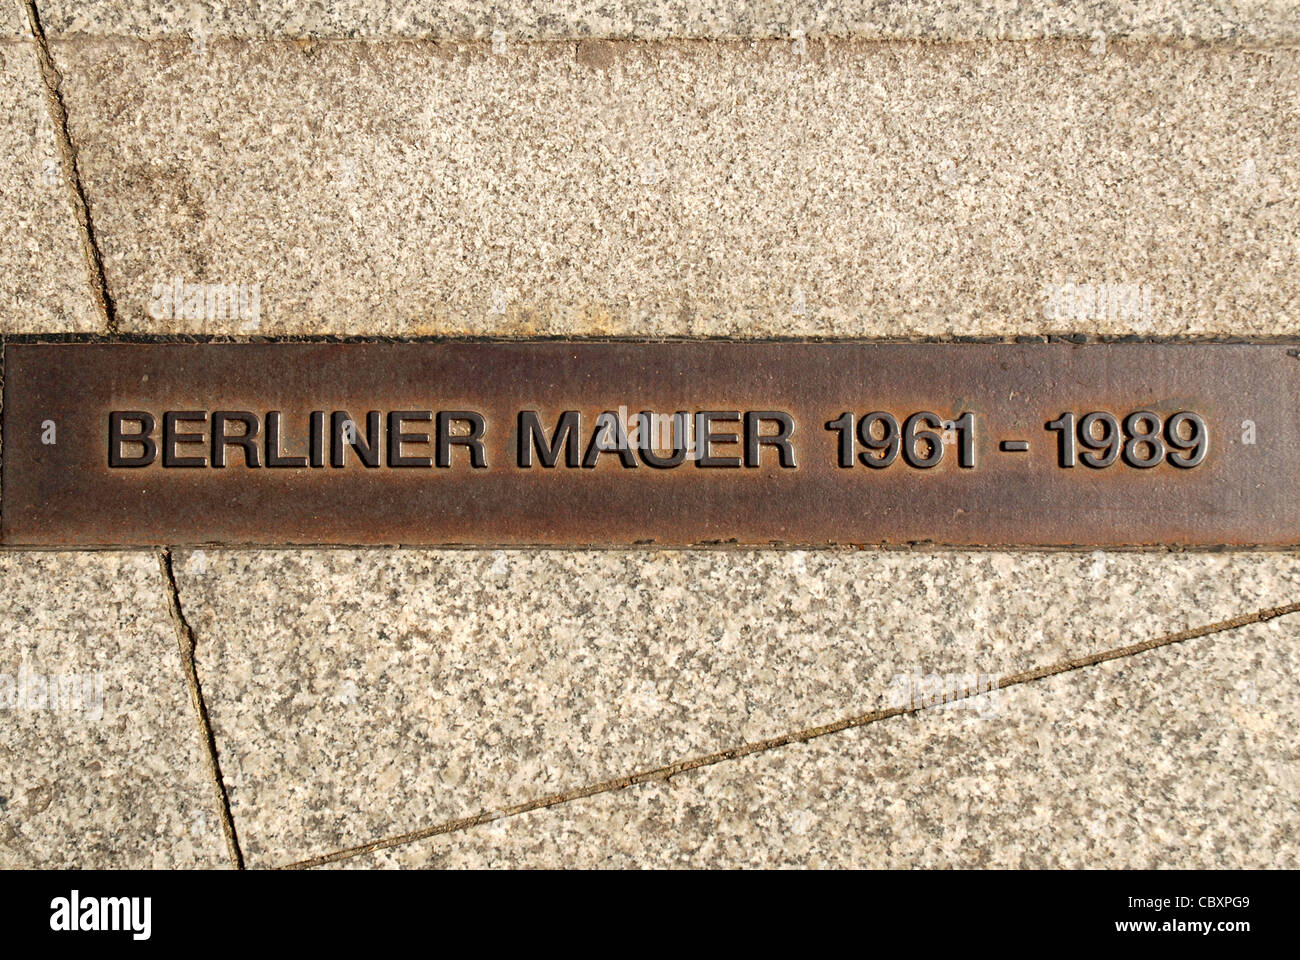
641, 443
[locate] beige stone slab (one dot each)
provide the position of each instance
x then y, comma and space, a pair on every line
864, 189
43, 286
1183, 757
13, 20
108, 771
362, 694
1237, 21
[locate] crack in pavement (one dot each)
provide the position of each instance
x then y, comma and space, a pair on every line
797, 736
185, 640
52, 80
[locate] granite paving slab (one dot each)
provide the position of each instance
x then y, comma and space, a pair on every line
858, 189
1181, 757
102, 763
360, 694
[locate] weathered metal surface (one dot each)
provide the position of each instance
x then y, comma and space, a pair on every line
60, 487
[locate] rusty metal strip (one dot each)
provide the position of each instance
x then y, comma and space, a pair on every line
834, 444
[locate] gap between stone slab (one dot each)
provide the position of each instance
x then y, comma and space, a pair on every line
797, 736
597, 52
1052, 337
186, 642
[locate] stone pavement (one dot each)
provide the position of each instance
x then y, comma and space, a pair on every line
856, 169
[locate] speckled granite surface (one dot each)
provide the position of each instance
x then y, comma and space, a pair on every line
360, 694
12, 21
879, 184
1181, 757
693, 189
101, 764
42, 275
1233, 21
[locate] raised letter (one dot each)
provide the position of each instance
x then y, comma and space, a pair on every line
170, 438
116, 438
368, 452
274, 458
780, 439
531, 435
651, 432
606, 424
396, 438
221, 439
705, 438
473, 439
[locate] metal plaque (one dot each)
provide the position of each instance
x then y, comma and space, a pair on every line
664, 443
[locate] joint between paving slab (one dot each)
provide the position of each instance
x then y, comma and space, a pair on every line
798, 736
52, 81
595, 43
186, 641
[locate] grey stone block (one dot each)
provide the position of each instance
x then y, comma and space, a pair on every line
101, 763
1183, 757
43, 285
863, 189
1239, 21
361, 694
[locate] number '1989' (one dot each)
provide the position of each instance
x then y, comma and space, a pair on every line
1144, 440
